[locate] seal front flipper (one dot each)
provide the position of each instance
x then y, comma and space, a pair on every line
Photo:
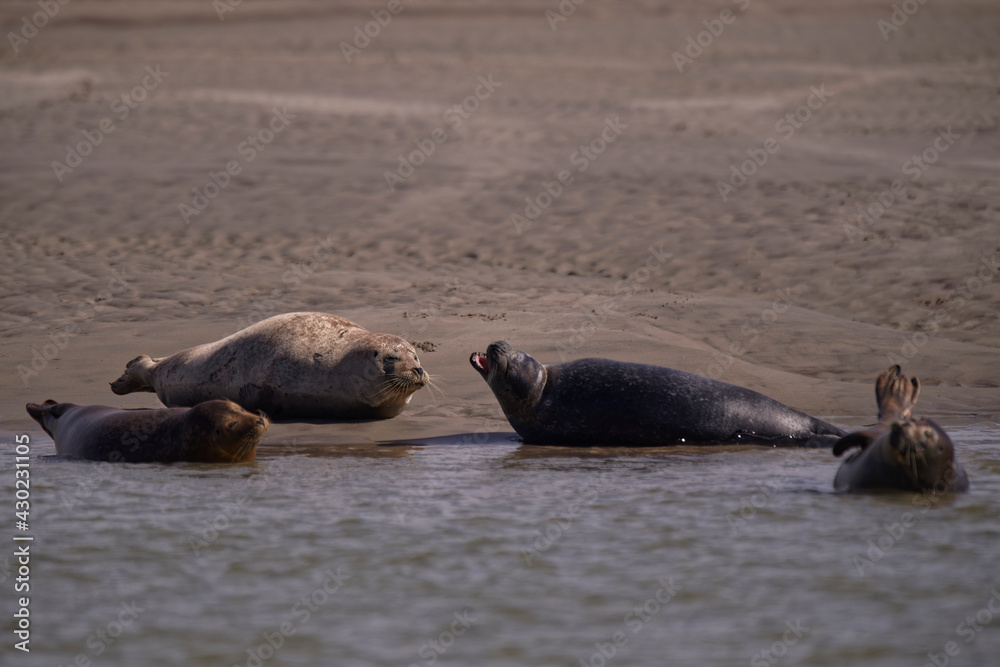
136, 376
861, 439
254, 397
896, 394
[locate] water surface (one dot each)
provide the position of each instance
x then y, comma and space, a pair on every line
503, 554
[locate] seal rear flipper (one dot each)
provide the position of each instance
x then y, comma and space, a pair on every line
49, 408
860, 439
255, 398
896, 394
135, 377
36, 410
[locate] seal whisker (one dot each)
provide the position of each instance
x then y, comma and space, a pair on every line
392, 385
393, 388
243, 447
250, 441
431, 384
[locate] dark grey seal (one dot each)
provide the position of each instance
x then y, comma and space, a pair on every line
899, 452
600, 402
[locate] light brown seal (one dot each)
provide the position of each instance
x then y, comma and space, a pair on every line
899, 452
211, 432
291, 366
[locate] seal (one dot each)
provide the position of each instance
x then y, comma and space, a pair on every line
600, 402
212, 432
291, 366
899, 452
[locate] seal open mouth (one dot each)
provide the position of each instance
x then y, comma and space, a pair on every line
480, 363
493, 361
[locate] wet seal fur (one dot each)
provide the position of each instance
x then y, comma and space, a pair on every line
211, 432
600, 402
900, 452
291, 366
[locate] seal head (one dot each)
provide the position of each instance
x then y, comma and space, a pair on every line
221, 431
900, 452
516, 378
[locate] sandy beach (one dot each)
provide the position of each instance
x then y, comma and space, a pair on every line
780, 194
791, 204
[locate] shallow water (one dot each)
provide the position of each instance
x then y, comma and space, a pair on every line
502, 554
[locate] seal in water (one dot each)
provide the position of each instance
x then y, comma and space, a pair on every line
291, 366
211, 432
600, 402
899, 452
